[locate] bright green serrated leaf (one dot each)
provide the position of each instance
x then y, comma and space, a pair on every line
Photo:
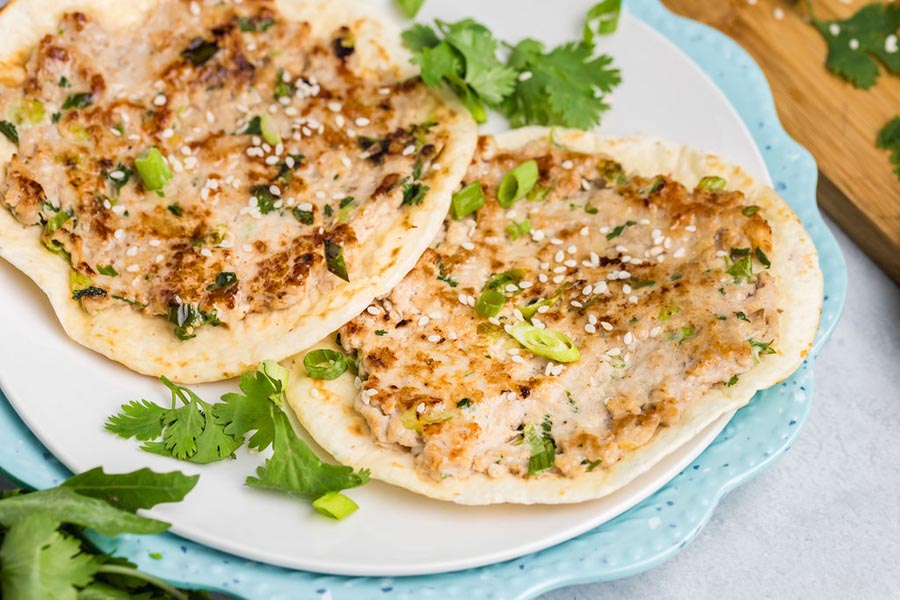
140, 420
855, 45
295, 469
438, 63
410, 8
40, 562
889, 139
214, 443
419, 37
484, 72
131, 491
65, 505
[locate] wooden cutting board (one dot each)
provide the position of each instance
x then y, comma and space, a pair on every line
835, 121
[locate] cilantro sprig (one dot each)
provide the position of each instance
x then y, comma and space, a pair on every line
856, 45
201, 432
564, 86
889, 139
45, 554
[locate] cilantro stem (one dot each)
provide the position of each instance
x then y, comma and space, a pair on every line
135, 574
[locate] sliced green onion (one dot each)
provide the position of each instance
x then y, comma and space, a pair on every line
107, 270
224, 280
325, 364
712, 184
152, 169
414, 193
269, 130
335, 505
467, 200
27, 111
742, 269
515, 230
489, 303
749, 211
199, 51
543, 448
77, 101
334, 260
517, 183
762, 258
548, 343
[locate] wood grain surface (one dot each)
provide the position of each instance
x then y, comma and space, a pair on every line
835, 121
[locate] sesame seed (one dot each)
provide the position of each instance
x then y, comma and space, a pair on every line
345, 160
525, 284
167, 133
556, 241
538, 323
601, 287
159, 258
247, 248
626, 289
107, 204
317, 394
518, 314
542, 278
206, 252
587, 290
160, 100
468, 246
271, 160
567, 164
590, 328
585, 184
195, 9
548, 369
132, 251
517, 359
572, 249
362, 122
679, 253
691, 228
633, 299
655, 331
338, 196
423, 321
592, 319
340, 121
384, 91
434, 338
559, 278
606, 325
559, 256
778, 13
154, 243
559, 270
462, 299
854, 44
132, 268
372, 310
721, 253
525, 75
576, 304
891, 44
334, 106
511, 287
614, 351
409, 150
584, 231
320, 195
494, 321
571, 263
628, 338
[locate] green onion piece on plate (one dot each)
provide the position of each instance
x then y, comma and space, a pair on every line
153, 170
335, 505
324, 364
712, 184
517, 183
543, 449
269, 130
467, 200
548, 343
489, 303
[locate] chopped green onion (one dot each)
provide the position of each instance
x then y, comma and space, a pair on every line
153, 170
444, 274
543, 448
489, 303
749, 211
187, 318
80, 100
255, 24
467, 200
499, 282
682, 334
199, 51
304, 216
224, 280
760, 348
742, 269
517, 183
548, 343
464, 403
742, 316
334, 260
618, 230
538, 194
516, 230
325, 364
762, 258
265, 199
82, 286
107, 270
712, 184
593, 465
731, 382
283, 89
9, 131
602, 19
27, 111
667, 312
175, 209
269, 130
335, 505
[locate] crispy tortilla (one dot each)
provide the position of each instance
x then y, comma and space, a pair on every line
326, 408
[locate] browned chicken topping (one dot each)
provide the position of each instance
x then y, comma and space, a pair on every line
278, 139
663, 290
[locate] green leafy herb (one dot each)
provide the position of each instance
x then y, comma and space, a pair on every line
467, 200
107, 270
304, 216
118, 177
283, 89
132, 491
187, 318
265, 199
712, 184
855, 45
410, 8
464, 403
9, 131
500, 281
515, 230
175, 209
380, 332
760, 348
253, 127
618, 230
732, 382
334, 260
889, 139
295, 469
682, 334
742, 316
414, 193
255, 24
243, 413
444, 275
199, 51
762, 258
324, 363
224, 280
78, 101
742, 270
565, 86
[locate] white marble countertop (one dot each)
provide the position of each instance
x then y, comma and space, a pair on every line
824, 521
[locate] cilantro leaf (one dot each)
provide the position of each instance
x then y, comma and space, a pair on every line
484, 72
857, 44
130, 491
140, 420
294, 468
889, 139
438, 63
419, 36
66, 505
410, 8
241, 414
565, 86
40, 562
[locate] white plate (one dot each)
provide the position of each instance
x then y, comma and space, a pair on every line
65, 393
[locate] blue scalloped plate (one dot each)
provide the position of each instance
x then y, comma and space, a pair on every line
651, 532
